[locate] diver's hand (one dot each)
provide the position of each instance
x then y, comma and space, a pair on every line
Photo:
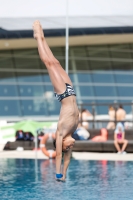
63, 178
60, 177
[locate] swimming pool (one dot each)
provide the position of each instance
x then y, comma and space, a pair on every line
88, 180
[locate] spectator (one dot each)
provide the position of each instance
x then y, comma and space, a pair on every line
111, 124
28, 136
40, 133
119, 138
83, 116
19, 135
121, 115
81, 133
102, 137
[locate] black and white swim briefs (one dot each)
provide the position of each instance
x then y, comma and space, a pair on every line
69, 92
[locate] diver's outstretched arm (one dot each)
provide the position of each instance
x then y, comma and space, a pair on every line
59, 139
67, 158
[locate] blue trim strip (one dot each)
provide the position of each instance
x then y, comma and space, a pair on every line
4, 34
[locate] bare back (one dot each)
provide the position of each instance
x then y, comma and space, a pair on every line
69, 116
120, 114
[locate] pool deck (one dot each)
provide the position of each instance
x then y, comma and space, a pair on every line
75, 155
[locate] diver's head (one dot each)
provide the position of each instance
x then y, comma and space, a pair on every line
68, 143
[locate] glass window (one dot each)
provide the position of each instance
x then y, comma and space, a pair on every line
100, 64
59, 53
105, 91
80, 77
49, 88
9, 108
102, 77
53, 106
103, 109
8, 90
121, 65
121, 56
99, 57
31, 90
121, 77
131, 48
88, 104
87, 65
6, 60
98, 51
26, 59
34, 107
46, 77
79, 64
120, 51
7, 76
125, 91
84, 90
78, 51
84, 77
73, 77
78, 58
29, 77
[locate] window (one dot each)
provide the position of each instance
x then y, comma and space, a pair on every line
105, 91
8, 90
102, 73
85, 90
10, 108
33, 107
31, 90
103, 77
123, 77
125, 91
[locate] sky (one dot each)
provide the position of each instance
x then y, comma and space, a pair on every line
44, 8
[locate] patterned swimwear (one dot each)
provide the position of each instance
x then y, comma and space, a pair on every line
69, 92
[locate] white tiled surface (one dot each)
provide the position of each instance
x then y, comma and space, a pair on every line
75, 155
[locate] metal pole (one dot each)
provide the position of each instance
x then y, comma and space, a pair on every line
36, 146
36, 161
93, 113
67, 38
132, 112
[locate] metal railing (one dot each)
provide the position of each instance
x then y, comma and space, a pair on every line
99, 121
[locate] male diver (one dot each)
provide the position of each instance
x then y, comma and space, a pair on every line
64, 92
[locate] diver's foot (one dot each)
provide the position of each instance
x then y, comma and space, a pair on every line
37, 30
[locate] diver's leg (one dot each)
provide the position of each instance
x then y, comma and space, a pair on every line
58, 84
50, 54
49, 61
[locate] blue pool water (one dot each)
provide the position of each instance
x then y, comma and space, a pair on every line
86, 180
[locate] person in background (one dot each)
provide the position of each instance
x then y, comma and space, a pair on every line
81, 133
119, 138
83, 116
111, 124
121, 115
40, 134
19, 135
102, 137
28, 136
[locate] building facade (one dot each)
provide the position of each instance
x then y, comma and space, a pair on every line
100, 66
